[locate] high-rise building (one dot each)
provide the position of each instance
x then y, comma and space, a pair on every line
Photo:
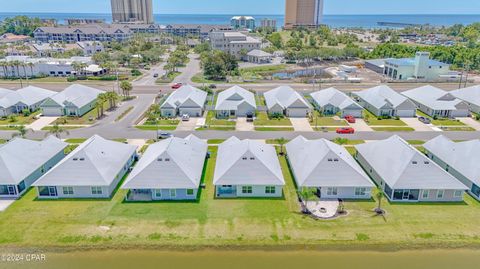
303, 13
132, 11
243, 22
268, 23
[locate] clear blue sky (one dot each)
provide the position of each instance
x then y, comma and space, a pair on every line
252, 6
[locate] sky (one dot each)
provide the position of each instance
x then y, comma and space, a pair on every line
251, 7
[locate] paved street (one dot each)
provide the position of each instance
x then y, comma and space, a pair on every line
191, 69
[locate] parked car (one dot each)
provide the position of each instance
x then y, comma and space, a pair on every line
250, 117
345, 130
424, 120
164, 135
185, 117
177, 86
155, 75
350, 119
212, 86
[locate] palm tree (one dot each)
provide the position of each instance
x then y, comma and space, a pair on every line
281, 141
22, 131
379, 197
112, 98
126, 88
101, 100
3, 65
57, 131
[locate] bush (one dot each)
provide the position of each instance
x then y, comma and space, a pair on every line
71, 79
26, 112
136, 72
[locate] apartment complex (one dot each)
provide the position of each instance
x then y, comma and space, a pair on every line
303, 13
234, 43
243, 22
90, 32
132, 11
268, 23
193, 30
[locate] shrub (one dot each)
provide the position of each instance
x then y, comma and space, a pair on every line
136, 72
71, 79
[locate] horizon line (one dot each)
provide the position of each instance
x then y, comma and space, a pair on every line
237, 14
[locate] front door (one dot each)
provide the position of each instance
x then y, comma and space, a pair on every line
52, 191
406, 194
12, 190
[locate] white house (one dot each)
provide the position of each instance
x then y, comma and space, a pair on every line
169, 170
26, 98
186, 100
23, 161
92, 170
460, 159
332, 101
328, 168
75, 100
407, 175
247, 168
384, 101
286, 101
4, 92
471, 96
89, 48
437, 102
235, 102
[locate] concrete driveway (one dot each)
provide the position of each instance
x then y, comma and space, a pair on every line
5, 203
41, 123
243, 126
301, 125
360, 126
188, 125
418, 125
470, 122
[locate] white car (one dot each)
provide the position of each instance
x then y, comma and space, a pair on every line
185, 117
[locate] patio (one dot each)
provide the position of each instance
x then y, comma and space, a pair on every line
323, 209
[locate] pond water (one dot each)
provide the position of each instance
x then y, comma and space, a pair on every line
144, 259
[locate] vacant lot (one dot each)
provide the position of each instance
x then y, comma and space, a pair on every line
262, 119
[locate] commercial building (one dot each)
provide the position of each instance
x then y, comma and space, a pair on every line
234, 43
132, 11
243, 22
259, 57
383, 101
303, 13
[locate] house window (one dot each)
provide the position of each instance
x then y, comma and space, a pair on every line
440, 194
332, 191
173, 193
167, 160
360, 191
190, 192
244, 158
97, 190
247, 189
158, 193
68, 190
457, 194
270, 189
425, 194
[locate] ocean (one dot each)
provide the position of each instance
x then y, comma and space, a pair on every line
335, 21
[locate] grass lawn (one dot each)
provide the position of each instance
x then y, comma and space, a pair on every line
346, 141
262, 70
374, 121
458, 129
163, 122
215, 141
260, 100
416, 142
325, 129
262, 119
156, 127
217, 128
393, 129
66, 127
268, 129
327, 121
88, 118
75, 140
441, 122
170, 77
211, 120
19, 119
233, 223
199, 78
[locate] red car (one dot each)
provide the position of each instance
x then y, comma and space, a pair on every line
350, 119
345, 130
177, 86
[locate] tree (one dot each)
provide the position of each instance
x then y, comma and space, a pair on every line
22, 131
57, 131
112, 98
126, 87
276, 40
281, 141
379, 197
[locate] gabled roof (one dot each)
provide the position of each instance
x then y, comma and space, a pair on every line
382, 96
174, 163
259, 53
77, 95
402, 166
4, 92
184, 94
470, 95
434, 98
29, 96
247, 162
231, 98
334, 97
19, 158
317, 163
96, 162
464, 157
284, 96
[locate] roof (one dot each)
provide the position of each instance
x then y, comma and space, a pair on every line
461, 156
76, 95
247, 162
411, 62
29, 96
286, 97
433, 98
470, 95
4, 92
334, 97
259, 53
317, 163
242, 18
184, 94
19, 158
233, 97
183, 170
96, 162
402, 166
382, 96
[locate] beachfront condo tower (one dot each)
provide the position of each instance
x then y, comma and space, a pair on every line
132, 11
303, 13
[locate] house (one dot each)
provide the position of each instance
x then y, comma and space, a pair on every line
436, 102
259, 57
247, 168
286, 101
186, 100
92, 170
169, 170
89, 48
4, 92
332, 101
23, 161
76, 100
328, 168
26, 98
460, 159
235, 102
383, 101
407, 175
471, 96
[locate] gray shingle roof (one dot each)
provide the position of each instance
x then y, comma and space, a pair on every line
78, 95
174, 163
470, 94
184, 94
231, 98
247, 162
19, 158
259, 53
286, 97
434, 98
402, 166
4, 92
96, 162
317, 163
29, 96
335, 98
382, 96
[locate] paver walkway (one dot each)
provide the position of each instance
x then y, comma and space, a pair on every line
301, 125
41, 123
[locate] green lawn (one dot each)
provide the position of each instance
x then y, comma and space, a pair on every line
211, 120
124, 113
156, 127
393, 129
373, 120
215, 141
233, 223
327, 121
262, 119
75, 140
199, 78
164, 122
268, 129
19, 119
458, 129
88, 118
66, 127
441, 122
170, 77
